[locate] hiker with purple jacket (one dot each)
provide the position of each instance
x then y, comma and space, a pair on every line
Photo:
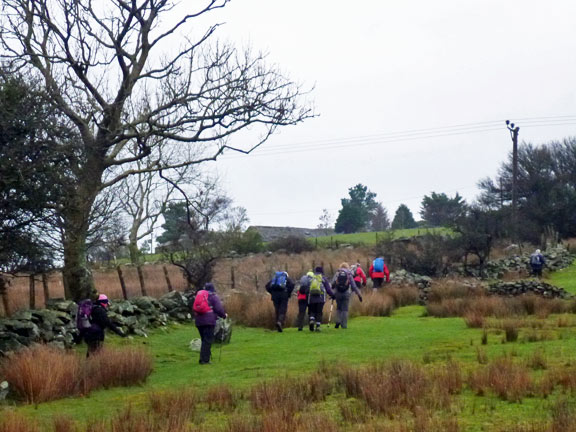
207, 309
317, 298
99, 321
343, 283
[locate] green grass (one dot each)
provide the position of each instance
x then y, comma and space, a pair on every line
370, 238
565, 278
257, 354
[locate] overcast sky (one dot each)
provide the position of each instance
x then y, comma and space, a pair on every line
411, 97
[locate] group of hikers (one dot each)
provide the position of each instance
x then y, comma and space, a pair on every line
315, 288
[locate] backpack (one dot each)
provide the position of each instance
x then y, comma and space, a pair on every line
316, 285
83, 316
342, 280
535, 259
201, 305
279, 281
378, 265
305, 283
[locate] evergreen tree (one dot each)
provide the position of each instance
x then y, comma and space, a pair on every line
356, 211
403, 218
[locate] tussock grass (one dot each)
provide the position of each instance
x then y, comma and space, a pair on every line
118, 367
221, 398
43, 373
13, 422
503, 377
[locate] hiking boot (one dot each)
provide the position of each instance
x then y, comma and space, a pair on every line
337, 325
318, 328
311, 326
279, 326
299, 328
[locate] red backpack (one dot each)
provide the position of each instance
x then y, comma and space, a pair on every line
201, 305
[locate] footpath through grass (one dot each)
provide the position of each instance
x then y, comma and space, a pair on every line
256, 354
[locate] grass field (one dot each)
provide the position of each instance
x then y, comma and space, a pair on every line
371, 238
257, 354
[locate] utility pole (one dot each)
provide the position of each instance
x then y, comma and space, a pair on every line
514, 135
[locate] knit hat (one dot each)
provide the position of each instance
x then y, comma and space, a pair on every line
209, 286
319, 269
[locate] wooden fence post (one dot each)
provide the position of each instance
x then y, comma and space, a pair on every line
4, 295
32, 284
122, 283
256, 280
331, 269
233, 277
141, 279
170, 289
45, 287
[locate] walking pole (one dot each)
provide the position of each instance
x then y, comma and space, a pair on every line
330, 314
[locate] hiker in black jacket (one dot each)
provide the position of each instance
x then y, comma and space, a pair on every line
280, 288
94, 335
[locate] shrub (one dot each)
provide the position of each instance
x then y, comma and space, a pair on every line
291, 244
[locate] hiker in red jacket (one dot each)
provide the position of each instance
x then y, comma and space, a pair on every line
378, 271
359, 275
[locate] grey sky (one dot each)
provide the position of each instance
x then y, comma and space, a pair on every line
384, 67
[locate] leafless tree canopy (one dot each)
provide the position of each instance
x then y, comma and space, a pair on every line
112, 68
132, 92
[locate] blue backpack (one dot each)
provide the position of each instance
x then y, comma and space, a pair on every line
378, 265
279, 281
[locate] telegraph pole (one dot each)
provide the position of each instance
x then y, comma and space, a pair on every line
514, 135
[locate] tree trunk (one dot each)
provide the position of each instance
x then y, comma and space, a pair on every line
78, 281
135, 258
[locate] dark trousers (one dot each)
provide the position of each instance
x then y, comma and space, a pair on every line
280, 301
94, 345
207, 337
378, 282
537, 271
315, 312
302, 306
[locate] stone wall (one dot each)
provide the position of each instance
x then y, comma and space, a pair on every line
56, 325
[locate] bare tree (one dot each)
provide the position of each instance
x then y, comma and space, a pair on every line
326, 221
379, 220
114, 71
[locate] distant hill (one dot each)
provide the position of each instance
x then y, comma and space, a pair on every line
271, 233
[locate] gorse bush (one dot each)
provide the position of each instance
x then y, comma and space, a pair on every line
42, 373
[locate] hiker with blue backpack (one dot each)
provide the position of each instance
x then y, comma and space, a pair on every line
378, 271
318, 289
91, 320
537, 262
207, 308
280, 288
343, 284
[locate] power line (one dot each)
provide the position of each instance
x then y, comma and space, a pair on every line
479, 127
